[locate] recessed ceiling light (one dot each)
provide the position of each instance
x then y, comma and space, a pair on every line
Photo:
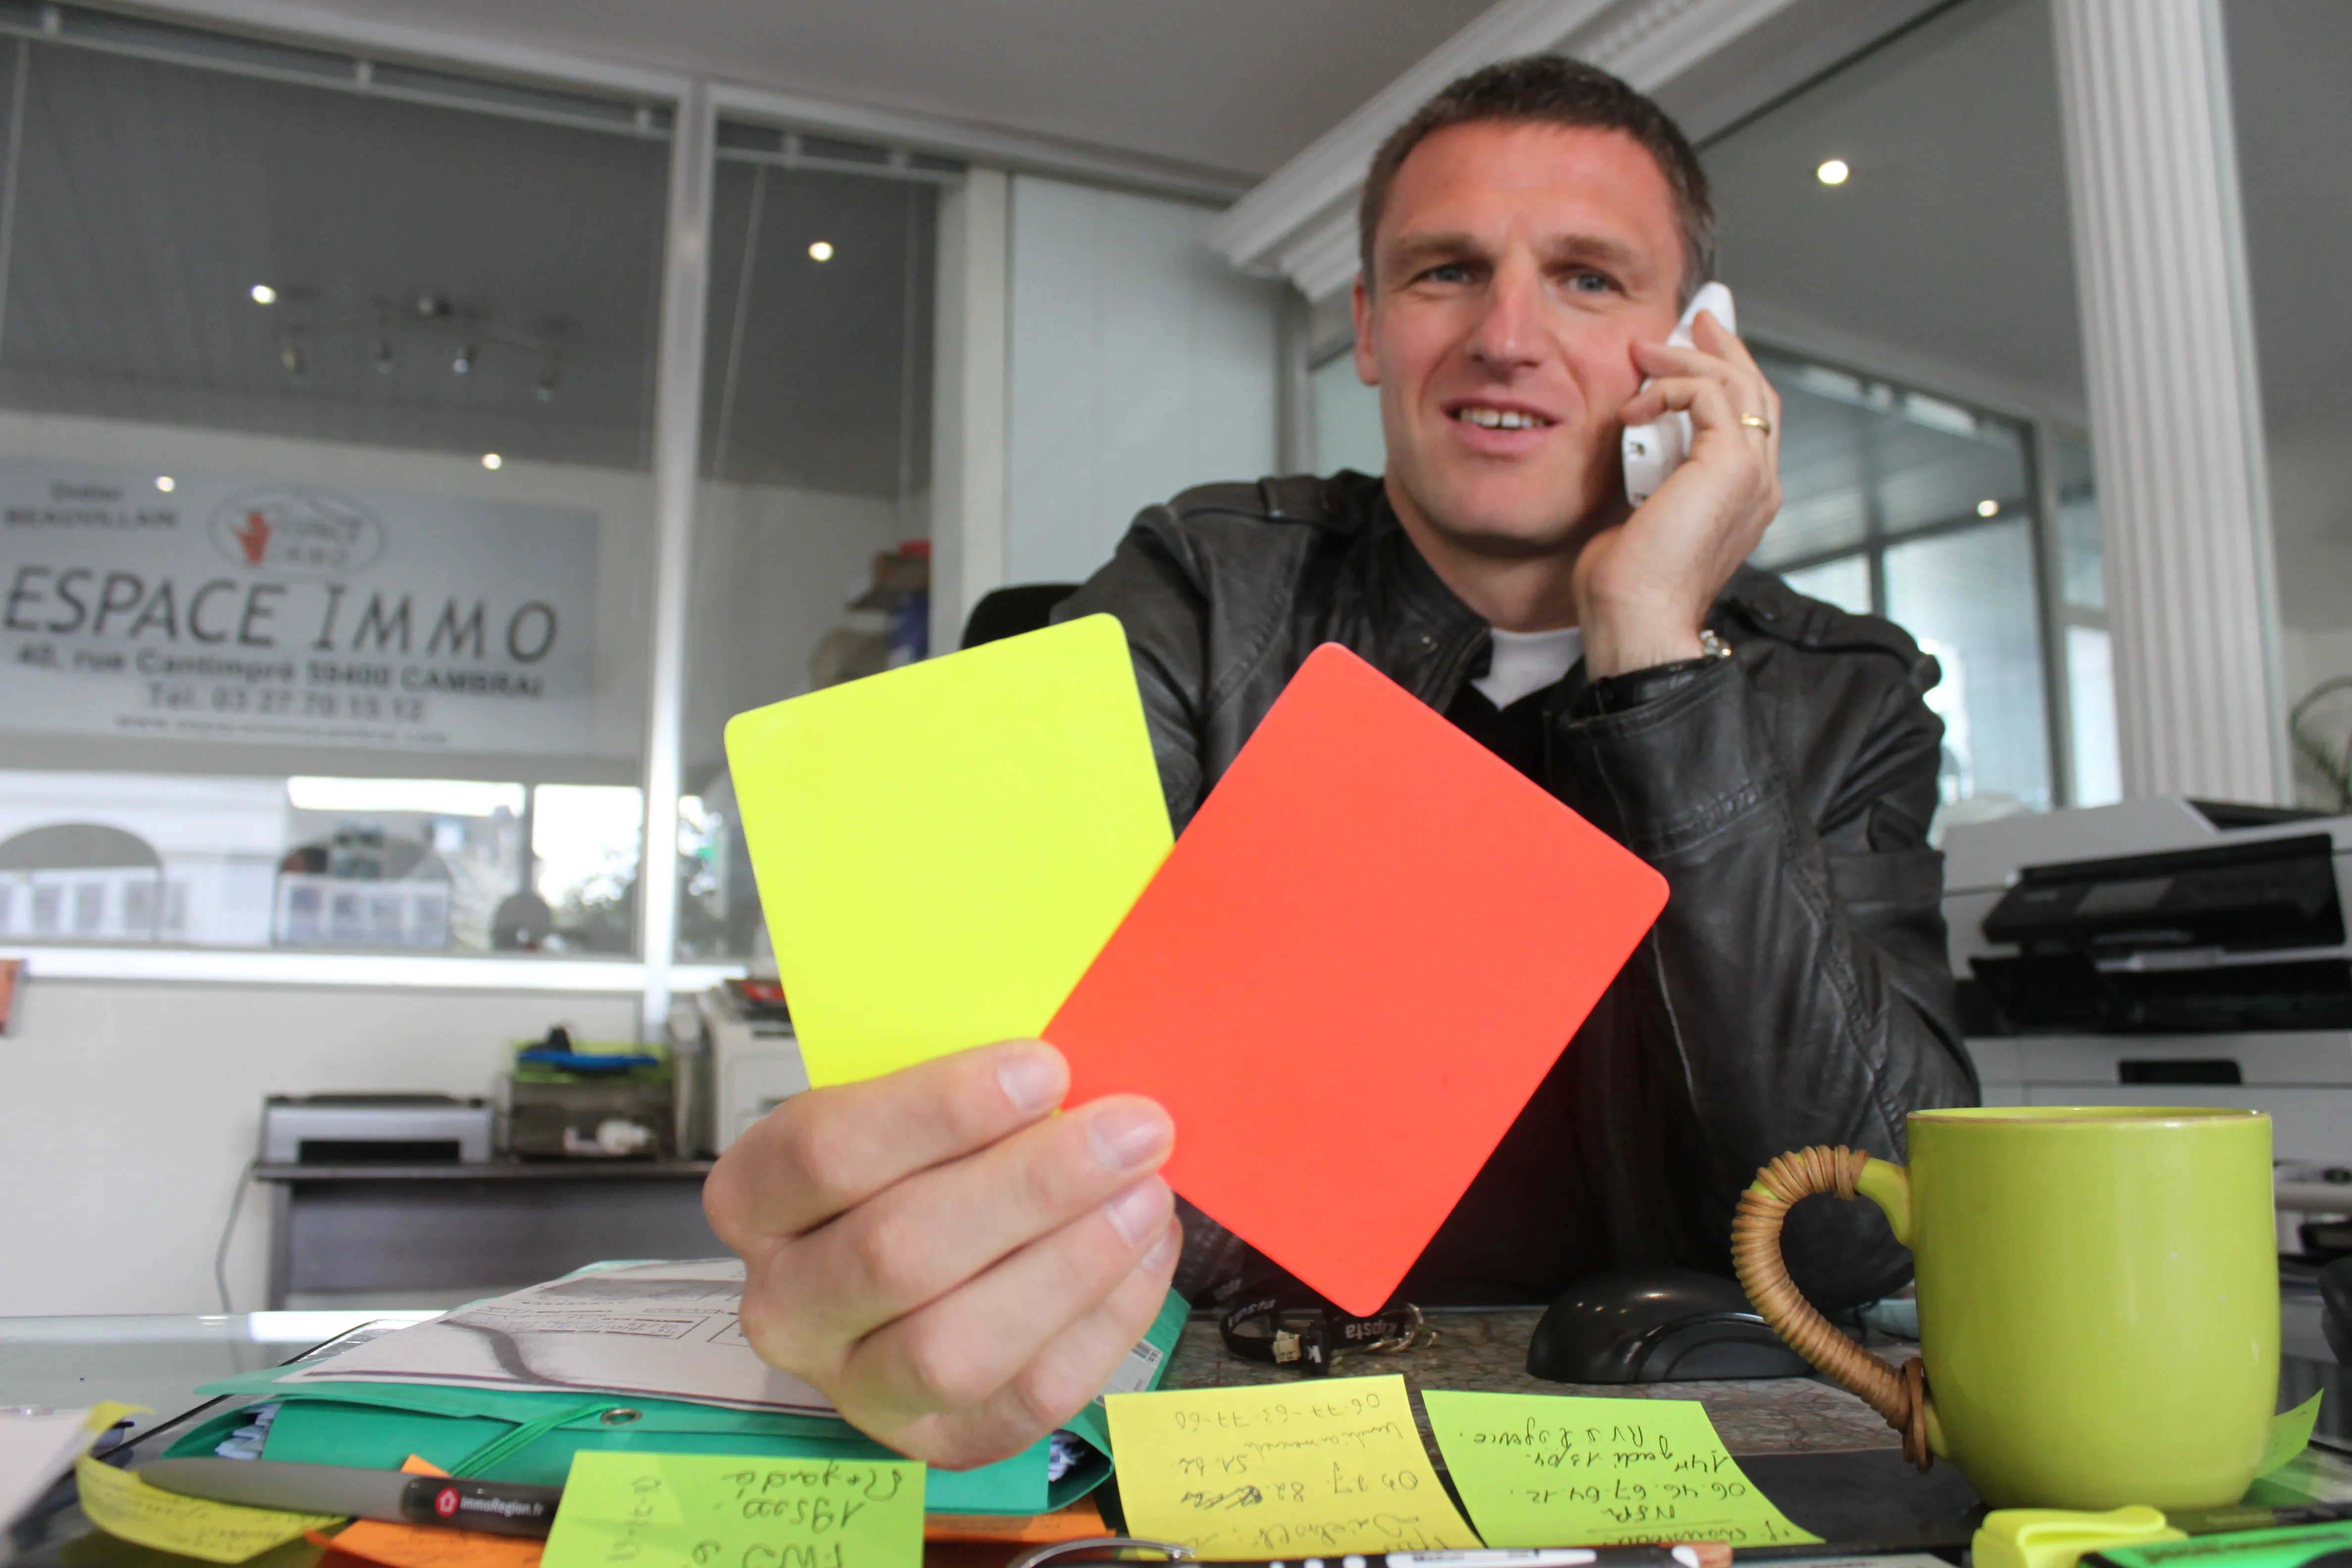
821, 251
1988, 508
166, 483
492, 460
263, 294
1832, 173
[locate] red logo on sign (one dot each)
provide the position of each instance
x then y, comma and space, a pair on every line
254, 537
444, 1501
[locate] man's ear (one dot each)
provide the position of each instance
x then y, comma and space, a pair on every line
1368, 369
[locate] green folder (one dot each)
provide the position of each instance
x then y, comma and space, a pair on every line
516, 1436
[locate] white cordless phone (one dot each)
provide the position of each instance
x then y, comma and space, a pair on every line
1654, 450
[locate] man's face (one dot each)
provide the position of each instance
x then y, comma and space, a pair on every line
1514, 266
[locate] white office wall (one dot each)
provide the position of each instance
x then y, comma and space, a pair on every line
1140, 364
130, 1109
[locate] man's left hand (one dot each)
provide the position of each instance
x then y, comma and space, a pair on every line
1643, 587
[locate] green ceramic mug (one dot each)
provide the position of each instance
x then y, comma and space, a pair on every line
2098, 1297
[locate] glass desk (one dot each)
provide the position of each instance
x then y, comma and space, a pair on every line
1798, 1438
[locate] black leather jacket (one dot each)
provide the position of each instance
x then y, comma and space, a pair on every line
1796, 990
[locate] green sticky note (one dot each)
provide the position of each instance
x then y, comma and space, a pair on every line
1541, 1470
708, 1511
942, 849
2290, 1435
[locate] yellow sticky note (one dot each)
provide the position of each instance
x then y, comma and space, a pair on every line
1281, 1470
943, 848
123, 1506
2290, 1435
107, 1412
1539, 1470
705, 1510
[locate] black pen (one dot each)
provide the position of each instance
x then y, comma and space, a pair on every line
2223, 1521
1686, 1554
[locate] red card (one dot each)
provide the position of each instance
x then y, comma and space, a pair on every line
1361, 960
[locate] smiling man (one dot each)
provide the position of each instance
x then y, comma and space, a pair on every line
960, 1270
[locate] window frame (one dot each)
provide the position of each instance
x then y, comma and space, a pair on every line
2052, 614
693, 106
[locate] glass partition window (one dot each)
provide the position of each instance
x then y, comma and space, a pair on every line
1904, 504
325, 540
812, 544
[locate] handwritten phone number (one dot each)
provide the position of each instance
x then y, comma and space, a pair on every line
266, 702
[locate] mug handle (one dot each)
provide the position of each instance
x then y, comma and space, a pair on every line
1900, 1394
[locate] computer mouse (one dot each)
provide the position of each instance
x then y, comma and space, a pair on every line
1656, 1325
2336, 1304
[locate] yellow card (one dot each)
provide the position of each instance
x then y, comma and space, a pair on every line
943, 848
1541, 1470
708, 1511
1281, 1469
123, 1506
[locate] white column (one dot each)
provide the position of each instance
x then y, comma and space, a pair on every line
968, 426
678, 442
2174, 414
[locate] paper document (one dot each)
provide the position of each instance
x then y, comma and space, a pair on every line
39, 1445
660, 1331
657, 1331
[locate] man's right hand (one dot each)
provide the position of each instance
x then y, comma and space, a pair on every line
956, 1268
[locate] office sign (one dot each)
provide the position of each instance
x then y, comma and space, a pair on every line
262, 610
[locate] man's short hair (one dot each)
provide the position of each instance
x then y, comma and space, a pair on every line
1553, 90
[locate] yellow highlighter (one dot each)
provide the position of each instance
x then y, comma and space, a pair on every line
2058, 1538
941, 850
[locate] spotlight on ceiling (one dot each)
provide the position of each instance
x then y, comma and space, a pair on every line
546, 388
1988, 508
464, 364
821, 251
290, 357
1832, 173
491, 461
382, 354
263, 294
166, 483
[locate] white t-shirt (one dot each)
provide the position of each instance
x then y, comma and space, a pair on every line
1528, 661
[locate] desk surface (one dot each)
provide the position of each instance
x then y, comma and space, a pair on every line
1486, 1352
1794, 1433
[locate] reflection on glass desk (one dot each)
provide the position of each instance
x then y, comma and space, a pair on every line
160, 1361
1818, 1450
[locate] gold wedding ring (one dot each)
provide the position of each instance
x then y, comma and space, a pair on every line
1756, 422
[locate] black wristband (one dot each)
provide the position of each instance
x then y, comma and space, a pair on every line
1618, 693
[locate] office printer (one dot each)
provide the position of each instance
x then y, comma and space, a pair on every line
2155, 916
375, 1130
2162, 951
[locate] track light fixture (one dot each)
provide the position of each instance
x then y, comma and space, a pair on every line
390, 321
